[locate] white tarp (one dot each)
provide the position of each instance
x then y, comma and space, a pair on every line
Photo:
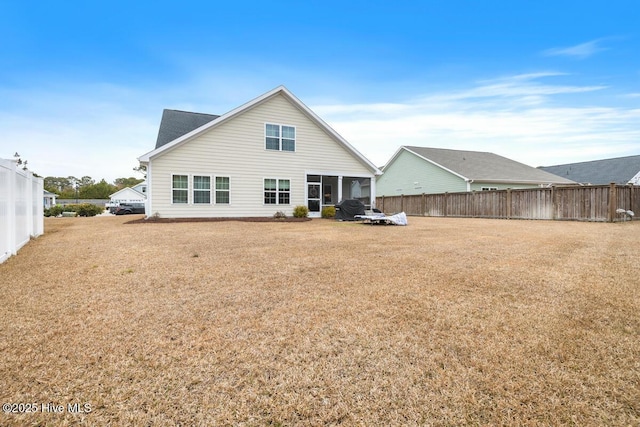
398, 219
395, 219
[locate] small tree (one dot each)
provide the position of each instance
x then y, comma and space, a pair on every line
141, 169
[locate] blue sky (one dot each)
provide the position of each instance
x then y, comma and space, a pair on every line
83, 83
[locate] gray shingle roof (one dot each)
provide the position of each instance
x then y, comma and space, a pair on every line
485, 166
599, 172
176, 123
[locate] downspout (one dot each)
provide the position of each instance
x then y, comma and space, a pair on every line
469, 182
148, 202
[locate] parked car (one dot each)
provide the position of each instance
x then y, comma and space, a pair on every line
130, 208
111, 207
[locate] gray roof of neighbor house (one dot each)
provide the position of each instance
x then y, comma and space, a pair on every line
176, 123
599, 172
486, 167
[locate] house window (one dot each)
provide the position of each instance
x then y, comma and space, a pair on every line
222, 189
201, 189
489, 188
180, 188
284, 192
288, 138
280, 138
277, 191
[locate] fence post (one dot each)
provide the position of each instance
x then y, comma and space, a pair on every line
631, 201
612, 202
402, 203
445, 203
474, 211
553, 202
11, 211
424, 205
508, 203
29, 207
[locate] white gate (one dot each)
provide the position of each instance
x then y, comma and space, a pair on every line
21, 208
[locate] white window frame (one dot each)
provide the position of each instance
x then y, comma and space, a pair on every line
216, 191
191, 190
201, 190
173, 202
489, 189
277, 191
280, 137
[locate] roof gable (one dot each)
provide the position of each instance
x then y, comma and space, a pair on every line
218, 120
139, 185
620, 170
129, 192
484, 166
176, 123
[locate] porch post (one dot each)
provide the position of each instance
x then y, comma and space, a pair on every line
339, 188
372, 189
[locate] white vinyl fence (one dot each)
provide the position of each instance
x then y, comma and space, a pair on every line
21, 208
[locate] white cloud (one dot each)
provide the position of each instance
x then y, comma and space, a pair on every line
100, 130
580, 51
514, 117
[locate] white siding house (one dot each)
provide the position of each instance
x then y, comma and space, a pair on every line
141, 188
268, 155
49, 199
127, 195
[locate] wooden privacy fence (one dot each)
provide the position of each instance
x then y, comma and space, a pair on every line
21, 208
576, 203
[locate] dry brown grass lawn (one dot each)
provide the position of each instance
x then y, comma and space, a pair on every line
444, 322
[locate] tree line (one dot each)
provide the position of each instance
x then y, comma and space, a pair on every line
86, 187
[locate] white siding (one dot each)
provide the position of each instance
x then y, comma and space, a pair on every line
236, 149
127, 195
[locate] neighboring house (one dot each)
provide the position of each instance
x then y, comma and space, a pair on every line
49, 199
620, 170
268, 155
127, 195
141, 188
418, 170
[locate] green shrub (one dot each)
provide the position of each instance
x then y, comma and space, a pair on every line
300, 211
54, 211
328, 212
70, 208
84, 209
87, 209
